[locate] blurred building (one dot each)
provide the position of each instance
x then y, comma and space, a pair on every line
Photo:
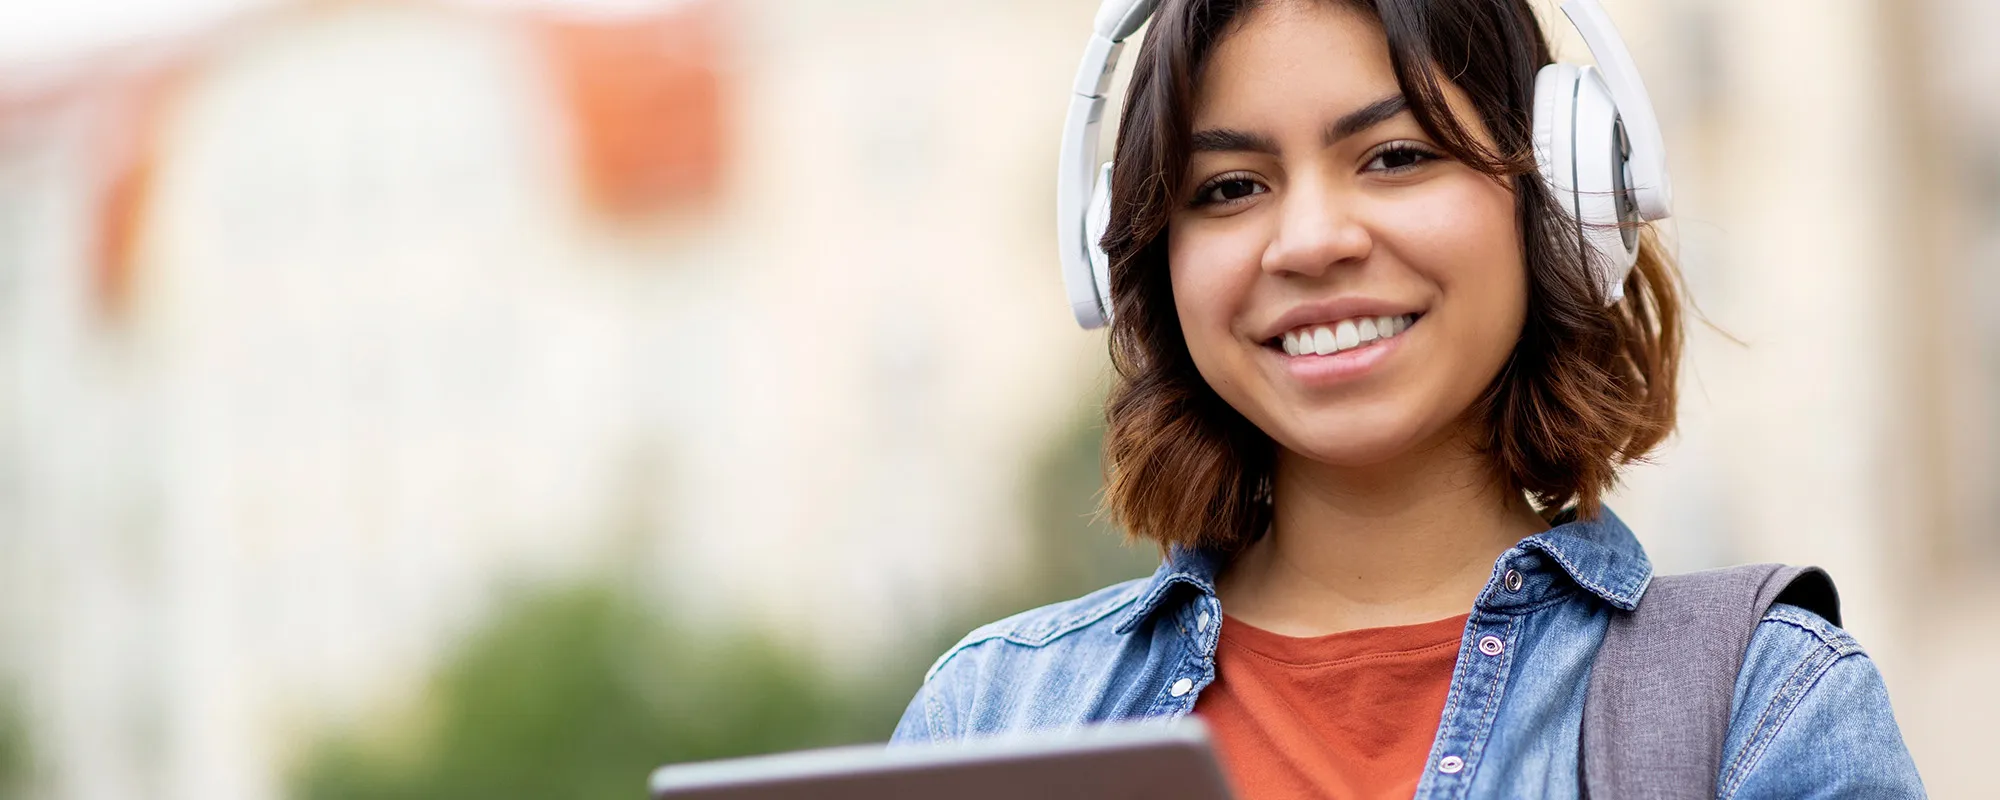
322, 324
329, 321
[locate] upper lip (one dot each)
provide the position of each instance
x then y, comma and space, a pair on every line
1331, 311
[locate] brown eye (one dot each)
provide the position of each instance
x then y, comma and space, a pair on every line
1227, 189
1401, 158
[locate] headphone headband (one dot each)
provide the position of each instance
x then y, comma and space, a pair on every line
1649, 185
1117, 19
1085, 273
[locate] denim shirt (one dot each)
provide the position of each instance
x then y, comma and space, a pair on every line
1810, 718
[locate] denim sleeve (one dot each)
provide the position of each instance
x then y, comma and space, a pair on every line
932, 714
915, 727
1813, 719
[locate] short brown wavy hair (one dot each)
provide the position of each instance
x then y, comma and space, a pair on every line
1588, 388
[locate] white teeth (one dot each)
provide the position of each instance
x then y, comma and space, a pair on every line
1347, 334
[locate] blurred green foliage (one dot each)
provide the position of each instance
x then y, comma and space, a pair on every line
579, 692
16, 759
1073, 550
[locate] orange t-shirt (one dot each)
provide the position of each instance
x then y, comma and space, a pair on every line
1348, 715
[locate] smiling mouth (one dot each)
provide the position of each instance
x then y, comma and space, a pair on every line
1348, 334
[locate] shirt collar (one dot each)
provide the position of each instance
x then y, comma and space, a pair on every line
1599, 554
1194, 567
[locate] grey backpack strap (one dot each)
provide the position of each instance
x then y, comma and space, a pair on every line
1657, 709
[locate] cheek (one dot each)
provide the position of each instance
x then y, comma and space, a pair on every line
1469, 244
1466, 229
1213, 271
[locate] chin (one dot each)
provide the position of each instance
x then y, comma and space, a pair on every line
1347, 442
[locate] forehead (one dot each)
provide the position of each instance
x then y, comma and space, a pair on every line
1305, 57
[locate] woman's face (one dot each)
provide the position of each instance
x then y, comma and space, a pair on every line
1341, 282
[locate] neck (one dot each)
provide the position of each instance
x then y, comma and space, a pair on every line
1400, 543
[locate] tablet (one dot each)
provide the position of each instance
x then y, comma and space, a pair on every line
1153, 760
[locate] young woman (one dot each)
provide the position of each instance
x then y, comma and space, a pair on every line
1368, 400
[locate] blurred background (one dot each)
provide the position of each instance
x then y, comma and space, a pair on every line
417, 398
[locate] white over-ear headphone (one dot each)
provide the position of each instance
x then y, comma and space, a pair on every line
1597, 143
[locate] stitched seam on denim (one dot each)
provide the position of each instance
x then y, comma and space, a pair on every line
1066, 628
1152, 599
1166, 704
1575, 574
1477, 746
1839, 641
1833, 645
1816, 661
1076, 620
1768, 724
1447, 726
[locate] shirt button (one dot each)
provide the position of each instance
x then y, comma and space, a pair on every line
1513, 580
1181, 687
1450, 765
1491, 645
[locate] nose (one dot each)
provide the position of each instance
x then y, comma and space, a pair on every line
1319, 228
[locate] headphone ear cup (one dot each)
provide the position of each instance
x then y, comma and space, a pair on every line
1097, 219
1581, 155
1601, 183
1555, 97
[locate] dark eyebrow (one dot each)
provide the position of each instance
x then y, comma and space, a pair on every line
1228, 140
1225, 140
1365, 117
